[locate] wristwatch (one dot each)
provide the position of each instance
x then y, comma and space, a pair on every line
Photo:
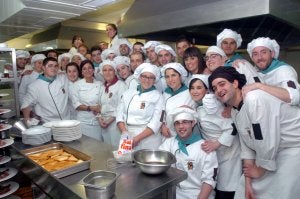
88, 108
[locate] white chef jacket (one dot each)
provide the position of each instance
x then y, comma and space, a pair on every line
200, 166
269, 134
73, 111
109, 103
25, 81
83, 93
281, 77
249, 71
39, 97
139, 111
131, 82
215, 127
171, 102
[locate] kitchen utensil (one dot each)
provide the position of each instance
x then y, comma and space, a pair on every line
153, 161
20, 125
100, 184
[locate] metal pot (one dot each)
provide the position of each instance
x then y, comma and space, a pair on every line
100, 184
153, 161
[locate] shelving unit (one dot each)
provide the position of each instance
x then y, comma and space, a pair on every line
9, 94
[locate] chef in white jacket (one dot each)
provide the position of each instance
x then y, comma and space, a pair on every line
85, 94
140, 109
220, 135
37, 64
110, 97
281, 79
269, 135
48, 94
200, 166
175, 95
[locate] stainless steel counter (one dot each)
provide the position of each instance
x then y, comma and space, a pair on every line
131, 184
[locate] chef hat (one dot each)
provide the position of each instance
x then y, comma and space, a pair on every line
68, 55
110, 63
227, 33
120, 60
176, 66
165, 47
216, 49
79, 55
228, 73
22, 54
202, 77
266, 42
106, 52
151, 44
125, 41
182, 113
147, 67
37, 57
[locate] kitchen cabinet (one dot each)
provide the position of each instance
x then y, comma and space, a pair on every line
9, 83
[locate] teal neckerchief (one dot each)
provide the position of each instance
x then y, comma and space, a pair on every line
182, 143
141, 90
232, 59
172, 93
199, 103
96, 65
49, 80
274, 64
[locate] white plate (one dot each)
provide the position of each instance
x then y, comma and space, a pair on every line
49, 124
66, 123
11, 173
5, 127
36, 130
5, 159
8, 142
4, 94
4, 110
13, 187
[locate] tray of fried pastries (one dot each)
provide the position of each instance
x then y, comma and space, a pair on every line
59, 159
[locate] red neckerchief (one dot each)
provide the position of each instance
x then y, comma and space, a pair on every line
107, 85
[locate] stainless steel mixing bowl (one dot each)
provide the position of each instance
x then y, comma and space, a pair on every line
153, 161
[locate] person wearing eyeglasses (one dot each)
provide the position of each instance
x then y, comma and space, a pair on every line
48, 94
200, 166
140, 109
219, 135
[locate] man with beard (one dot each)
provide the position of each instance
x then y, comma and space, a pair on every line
280, 79
269, 135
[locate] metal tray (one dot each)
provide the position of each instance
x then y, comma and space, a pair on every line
68, 170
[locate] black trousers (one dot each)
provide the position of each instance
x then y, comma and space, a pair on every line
224, 194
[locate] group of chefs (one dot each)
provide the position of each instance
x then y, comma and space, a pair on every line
233, 126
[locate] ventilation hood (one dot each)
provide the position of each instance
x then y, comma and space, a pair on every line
202, 20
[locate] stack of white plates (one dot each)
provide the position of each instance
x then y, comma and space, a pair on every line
66, 130
36, 135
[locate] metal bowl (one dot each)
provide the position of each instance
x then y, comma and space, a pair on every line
153, 161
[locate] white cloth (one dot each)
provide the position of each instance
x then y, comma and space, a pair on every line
114, 44
73, 112
216, 127
165, 47
22, 54
141, 111
281, 77
265, 42
106, 52
109, 106
228, 33
203, 169
147, 67
172, 102
83, 93
73, 50
277, 152
131, 82
215, 49
38, 96
37, 57
250, 72
25, 81
177, 67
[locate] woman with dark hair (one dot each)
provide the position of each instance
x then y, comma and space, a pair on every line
112, 33
193, 62
76, 42
85, 99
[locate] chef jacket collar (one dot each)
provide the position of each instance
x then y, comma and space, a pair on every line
141, 90
46, 79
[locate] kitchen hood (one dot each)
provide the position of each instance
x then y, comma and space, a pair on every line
203, 20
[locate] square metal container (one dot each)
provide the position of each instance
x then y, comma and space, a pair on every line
100, 184
67, 170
